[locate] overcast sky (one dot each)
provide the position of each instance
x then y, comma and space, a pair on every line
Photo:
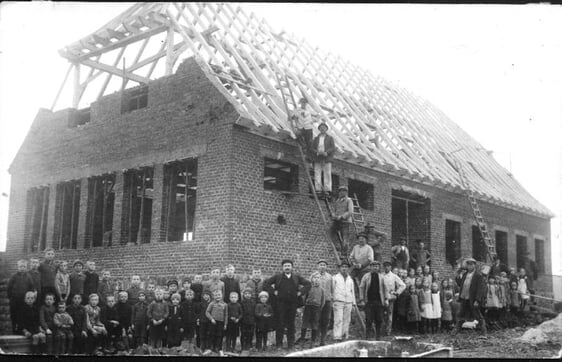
495, 70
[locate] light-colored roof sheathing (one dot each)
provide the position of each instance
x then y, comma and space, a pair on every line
375, 124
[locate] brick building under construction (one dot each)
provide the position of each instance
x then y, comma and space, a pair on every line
199, 167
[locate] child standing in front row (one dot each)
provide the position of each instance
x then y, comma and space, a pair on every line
139, 319
63, 334
46, 318
447, 294
514, 303
492, 301
435, 319
234, 316
413, 314
426, 306
205, 342
248, 319
157, 313
174, 322
79, 330
264, 315
217, 313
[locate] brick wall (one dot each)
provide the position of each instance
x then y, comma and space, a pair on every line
235, 218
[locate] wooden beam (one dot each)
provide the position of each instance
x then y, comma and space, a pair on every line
115, 71
169, 51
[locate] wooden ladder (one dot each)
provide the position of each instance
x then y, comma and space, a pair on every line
360, 317
357, 217
482, 225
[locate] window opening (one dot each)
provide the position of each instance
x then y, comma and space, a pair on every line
101, 198
479, 249
180, 198
411, 218
279, 175
67, 212
501, 245
365, 193
539, 255
521, 248
452, 241
135, 99
137, 217
37, 211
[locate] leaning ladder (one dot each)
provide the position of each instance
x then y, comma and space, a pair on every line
482, 226
311, 183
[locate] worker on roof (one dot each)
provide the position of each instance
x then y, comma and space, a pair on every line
304, 125
323, 148
342, 218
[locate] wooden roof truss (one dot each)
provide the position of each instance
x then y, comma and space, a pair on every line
375, 123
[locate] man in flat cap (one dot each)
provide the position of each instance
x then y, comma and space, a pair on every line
344, 301
326, 283
342, 219
372, 294
323, 148
472, 292
287, 286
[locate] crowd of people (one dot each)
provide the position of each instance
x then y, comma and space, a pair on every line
77, 312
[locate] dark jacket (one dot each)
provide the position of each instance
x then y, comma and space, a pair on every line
19, 284
189, 313
78, 314
248, 311
36, 277
477, 290
90, 283
124, 311
48, 273
197, 291
138, 313
29, 318
329, 148
285, 293
46, 315
230, 285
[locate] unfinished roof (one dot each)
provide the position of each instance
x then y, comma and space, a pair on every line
375, 123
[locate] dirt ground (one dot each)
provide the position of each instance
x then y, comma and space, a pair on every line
501, 343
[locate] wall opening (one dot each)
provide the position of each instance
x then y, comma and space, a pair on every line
138, 189
134, 99
479, 248
67, 210
539, 255
364, 192
521, 248
279, 175
101, 199
501, 246
36, 221
411, 218
180, 199
452, 241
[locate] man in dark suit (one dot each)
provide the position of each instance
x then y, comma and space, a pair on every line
287, 288
323, 148
471, 293
373, 295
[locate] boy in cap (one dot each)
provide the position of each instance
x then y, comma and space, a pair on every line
264, 314
77, 278
248, 318
326, 282
343, 211
323, 148
139, 319
313, 303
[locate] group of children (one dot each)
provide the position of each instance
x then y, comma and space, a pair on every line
430, 304
50, 306
79, 312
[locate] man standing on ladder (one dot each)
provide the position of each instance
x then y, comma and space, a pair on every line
323, 148
342, 219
